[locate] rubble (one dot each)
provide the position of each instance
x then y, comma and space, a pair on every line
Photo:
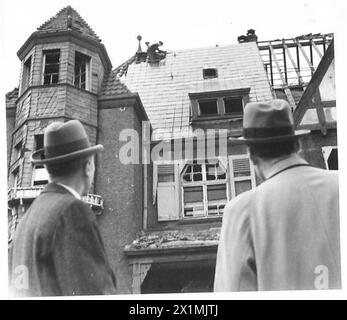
175, 238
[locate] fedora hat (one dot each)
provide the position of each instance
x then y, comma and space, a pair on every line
63, 142
268, 122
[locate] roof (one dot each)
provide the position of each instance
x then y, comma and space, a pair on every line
175, 239
113, 86
164, 87
66, 19
12, 94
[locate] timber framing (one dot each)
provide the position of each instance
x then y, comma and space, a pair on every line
311, 97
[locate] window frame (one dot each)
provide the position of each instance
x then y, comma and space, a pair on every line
26, 73
87, 72
44, 53
195, 98
233, 179
204, 183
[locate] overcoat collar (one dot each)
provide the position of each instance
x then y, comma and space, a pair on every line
54, 187
290, 161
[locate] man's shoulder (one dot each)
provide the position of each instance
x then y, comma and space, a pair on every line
240, 205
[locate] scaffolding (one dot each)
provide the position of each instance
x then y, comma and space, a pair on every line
290, 63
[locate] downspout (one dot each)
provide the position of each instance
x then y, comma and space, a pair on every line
145, 196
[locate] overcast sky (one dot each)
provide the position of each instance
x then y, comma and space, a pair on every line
180, 24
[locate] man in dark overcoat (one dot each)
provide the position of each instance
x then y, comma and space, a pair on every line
57, 248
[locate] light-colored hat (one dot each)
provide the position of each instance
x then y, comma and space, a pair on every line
63, 142
268, 122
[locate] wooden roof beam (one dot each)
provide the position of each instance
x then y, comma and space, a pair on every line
297, 71
285, 84
305, 56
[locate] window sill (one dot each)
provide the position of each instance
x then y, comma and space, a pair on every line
211, 118
197, 220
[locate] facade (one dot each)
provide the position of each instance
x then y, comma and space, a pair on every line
160, 219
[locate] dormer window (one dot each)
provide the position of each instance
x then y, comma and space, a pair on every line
208, 107
219, 104
210, 73
233, 105
51, 62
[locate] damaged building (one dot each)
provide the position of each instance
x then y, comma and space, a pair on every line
161, 221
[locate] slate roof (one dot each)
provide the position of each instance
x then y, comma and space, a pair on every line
164, 87
60, 22
113, 86
12, 94
175, 239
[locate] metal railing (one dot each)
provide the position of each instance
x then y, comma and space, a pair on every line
30, 193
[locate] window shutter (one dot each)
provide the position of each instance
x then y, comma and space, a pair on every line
167, 191
167, 205
242, 175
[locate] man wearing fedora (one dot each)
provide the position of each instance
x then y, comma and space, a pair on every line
283, 234
57, 248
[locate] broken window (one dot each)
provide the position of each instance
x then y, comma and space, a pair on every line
81, 75
51, 66
208, 107
15, 178
233, 105
38, 141
209, 73
330, 157
40, 174
26, 74
204, 189
18, 149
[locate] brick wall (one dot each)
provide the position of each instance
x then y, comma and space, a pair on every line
311, 146
122, 188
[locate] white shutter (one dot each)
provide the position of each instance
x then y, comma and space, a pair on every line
241, 173
168, 192
167, 205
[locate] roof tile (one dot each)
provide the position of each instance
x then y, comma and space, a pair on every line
61, 22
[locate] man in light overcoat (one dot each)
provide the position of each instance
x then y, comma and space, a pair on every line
284, 234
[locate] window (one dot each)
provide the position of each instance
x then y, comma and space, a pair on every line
51, 60
26, 74
18, 150
222, 104
209, 73
242, 175
204, 189
208, 107
15, 178
330, 157
82, 63
38, 141
40, 174
233, 105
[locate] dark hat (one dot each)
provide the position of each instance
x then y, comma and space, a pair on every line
268, 122
63, 142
